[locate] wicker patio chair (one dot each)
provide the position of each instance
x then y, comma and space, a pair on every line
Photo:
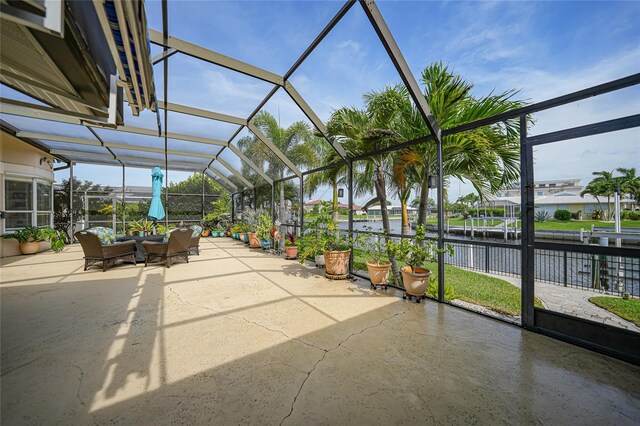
107, 254
194, 245
178, 246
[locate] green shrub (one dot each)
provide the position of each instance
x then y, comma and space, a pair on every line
630, 215
562, 215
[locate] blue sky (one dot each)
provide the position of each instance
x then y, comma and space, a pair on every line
544, 49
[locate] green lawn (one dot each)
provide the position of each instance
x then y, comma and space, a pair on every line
494, 293
575, 225
627, 309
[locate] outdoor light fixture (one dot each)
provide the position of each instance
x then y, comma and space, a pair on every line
341, 192
432, 181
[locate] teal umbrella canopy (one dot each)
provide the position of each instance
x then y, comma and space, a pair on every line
156, 211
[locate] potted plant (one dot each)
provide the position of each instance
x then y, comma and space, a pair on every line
290, 247
377, 265
206, 228
263, 230
57, 238
322, 235
251, 217
28, 239
142, 227
235, 231
416, 252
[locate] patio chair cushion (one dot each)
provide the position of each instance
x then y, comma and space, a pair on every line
197, 230
104, 234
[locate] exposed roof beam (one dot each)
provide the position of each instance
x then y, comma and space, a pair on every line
170, 135
124, 158
234, 171
274, 149
250, 163
183, 109
326, 30
233, 189
24, 109
165, 54
223, 178
394, 52
215, 58
306, 109
113, 145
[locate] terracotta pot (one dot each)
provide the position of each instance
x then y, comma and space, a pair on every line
378, 274
254, 241
228, 233
337, 263
292, 251
30, 247
415, 283
205, 233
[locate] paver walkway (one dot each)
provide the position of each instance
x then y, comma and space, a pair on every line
573, 301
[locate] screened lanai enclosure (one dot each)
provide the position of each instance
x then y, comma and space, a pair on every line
93, 83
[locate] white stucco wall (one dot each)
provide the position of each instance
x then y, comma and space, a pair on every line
21, 160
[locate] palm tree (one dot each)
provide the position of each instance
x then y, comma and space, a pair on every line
334, 176
603, 185
488, 157
366, 130
296, 142
629, 182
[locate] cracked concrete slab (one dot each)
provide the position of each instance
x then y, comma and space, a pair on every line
238, 336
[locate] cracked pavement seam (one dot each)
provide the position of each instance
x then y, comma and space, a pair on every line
295, 398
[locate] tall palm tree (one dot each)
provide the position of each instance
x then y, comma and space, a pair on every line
366, 130
333, 177
629, 182
297, 142
488, 157
603, 185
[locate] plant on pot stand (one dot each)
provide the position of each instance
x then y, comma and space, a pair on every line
322, 235
290, 247
263, 230
377, 262
416, 251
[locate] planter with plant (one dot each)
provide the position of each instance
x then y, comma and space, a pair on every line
235, 231
142, 227
322, 235
263, 231
290, 247
29, 239
377, 265
416, 252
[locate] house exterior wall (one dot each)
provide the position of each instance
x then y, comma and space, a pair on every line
20, 161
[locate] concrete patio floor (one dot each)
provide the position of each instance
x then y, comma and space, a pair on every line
241, 337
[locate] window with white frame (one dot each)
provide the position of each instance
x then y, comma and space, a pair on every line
28, 202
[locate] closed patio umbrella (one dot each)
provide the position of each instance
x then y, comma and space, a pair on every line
156, 211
